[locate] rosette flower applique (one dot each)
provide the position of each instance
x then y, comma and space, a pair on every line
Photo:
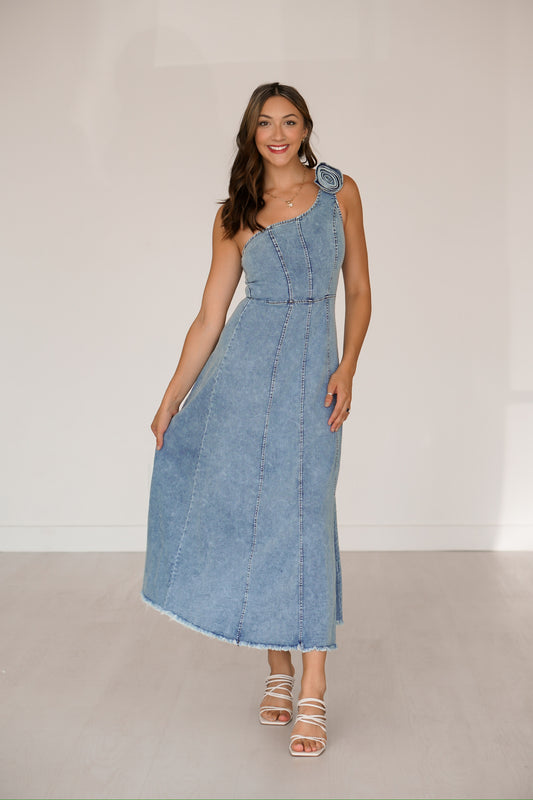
328, 178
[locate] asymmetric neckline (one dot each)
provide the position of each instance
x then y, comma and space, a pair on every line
284, 221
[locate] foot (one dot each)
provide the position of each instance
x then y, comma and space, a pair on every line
278, 693
302, 728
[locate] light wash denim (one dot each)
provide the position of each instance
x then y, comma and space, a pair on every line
242, 531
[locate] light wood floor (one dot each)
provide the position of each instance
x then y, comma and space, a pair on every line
430, 694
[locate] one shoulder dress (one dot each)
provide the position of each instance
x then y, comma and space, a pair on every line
242, 539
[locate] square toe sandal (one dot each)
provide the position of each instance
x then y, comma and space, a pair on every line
314, 719
275, 685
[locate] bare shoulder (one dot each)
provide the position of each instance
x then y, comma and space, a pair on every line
349, 198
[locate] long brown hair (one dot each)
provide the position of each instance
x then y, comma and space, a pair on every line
247, 173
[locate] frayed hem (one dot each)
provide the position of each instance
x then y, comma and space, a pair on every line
221, 638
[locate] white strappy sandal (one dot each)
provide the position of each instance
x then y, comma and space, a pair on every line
273, 683
314, 719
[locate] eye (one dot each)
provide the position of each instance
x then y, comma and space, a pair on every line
291, 122
263, 123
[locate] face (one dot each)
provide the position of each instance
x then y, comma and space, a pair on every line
280, 130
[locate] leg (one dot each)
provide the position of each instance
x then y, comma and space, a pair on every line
280, 663
313, 685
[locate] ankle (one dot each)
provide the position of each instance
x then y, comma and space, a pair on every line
280, 664
312, 687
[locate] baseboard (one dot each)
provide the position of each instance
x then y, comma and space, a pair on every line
73, 538
132, 538
436, 537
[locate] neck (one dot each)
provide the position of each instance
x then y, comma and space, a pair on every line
284, 176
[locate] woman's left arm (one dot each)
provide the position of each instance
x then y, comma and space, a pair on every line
358, 302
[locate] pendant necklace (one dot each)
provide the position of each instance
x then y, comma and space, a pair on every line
290, 202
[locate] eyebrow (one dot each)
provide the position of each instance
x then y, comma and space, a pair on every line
269, 117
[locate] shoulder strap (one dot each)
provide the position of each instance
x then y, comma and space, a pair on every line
328, 178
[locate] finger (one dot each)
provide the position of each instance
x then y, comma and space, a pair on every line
158, 437
339, 416
330, 394
340, 420
342, 402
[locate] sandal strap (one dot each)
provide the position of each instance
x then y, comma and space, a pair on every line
312, 701
284, 678
320, 739
280, 682
312, 719
277, 694
275, 683
275, 708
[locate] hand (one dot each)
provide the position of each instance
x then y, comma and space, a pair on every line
161, 422
340, 384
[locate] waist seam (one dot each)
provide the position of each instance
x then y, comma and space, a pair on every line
291, 301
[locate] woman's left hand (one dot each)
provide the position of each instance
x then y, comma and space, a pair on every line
340, 384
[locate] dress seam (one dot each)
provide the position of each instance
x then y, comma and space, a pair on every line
173, 570
262, 471
307, 259
336, 243
301, 443
328, 335
300, 481
282, 262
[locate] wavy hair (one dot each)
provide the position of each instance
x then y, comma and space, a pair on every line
247, 173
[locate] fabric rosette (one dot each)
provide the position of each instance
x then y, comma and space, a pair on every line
328, 178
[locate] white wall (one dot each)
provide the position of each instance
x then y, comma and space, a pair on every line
116, 142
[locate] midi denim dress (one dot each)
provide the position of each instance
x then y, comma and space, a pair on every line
242, 537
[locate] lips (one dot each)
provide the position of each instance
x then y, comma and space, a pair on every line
278, 149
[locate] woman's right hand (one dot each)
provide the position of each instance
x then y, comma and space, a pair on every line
161, 422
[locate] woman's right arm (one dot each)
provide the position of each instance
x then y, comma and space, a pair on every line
201, 339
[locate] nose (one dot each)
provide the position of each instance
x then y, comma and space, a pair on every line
277, 132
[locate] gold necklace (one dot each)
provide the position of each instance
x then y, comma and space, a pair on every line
291, 201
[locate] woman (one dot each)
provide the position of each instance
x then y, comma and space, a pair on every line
242, 530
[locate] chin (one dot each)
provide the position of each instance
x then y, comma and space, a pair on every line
284, 158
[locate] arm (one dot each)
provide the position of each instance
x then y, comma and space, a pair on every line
202, 336
358, 302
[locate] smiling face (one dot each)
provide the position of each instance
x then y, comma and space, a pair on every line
280, 130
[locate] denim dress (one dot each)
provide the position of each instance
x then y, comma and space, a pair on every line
242, 537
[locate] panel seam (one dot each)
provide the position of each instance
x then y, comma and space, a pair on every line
282, 262
178, 551
307, 260
262, 472
300, 483
336, 244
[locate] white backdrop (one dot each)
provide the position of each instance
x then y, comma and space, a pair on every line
116, 141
